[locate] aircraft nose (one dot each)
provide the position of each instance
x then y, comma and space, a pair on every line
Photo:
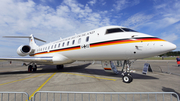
168, 46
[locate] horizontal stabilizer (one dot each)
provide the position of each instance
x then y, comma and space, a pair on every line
23, 37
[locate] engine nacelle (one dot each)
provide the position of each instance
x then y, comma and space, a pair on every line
24, 50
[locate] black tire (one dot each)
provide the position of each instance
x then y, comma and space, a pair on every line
35, 69
127, 78
30, 68
131, 78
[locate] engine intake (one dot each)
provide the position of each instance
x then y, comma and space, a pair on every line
24, 50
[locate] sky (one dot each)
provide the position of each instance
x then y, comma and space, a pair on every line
51, 20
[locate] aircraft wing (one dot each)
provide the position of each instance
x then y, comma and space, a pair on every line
29, 59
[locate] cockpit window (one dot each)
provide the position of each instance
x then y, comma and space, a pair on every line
113, 30
128, 30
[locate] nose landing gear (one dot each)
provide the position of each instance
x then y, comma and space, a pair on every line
127, 77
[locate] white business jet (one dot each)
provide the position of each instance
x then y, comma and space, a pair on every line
105, 44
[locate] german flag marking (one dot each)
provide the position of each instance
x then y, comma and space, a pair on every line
59, 50
106, 43
125, 41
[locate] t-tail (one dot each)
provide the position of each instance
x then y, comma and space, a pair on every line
32, 42
24, 50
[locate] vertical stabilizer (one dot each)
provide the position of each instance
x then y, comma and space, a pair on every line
32, 42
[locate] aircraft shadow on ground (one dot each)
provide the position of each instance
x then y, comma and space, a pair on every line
78, 69
165, 89
47, 69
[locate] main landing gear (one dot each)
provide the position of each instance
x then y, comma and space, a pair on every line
59, 67
127, 78
32, 67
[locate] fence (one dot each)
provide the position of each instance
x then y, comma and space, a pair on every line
104, 96
14, 96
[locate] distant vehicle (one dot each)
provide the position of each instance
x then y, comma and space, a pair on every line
103, 44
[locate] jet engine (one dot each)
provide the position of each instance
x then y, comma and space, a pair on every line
24, 50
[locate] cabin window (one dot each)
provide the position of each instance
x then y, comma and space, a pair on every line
55, 46
59, 45
113, 30
52, 47
63, 44
68, 43
79, 41
73, 42
87, 38
49, 47
128, 30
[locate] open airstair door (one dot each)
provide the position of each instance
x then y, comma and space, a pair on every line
109, 66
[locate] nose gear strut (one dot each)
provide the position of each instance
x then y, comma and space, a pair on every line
127, 77
109, 66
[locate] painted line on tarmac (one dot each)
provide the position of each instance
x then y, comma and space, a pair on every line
90, 76
22, 79
41, 86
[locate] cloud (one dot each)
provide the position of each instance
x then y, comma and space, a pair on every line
92, 2
27, 17
136, 20
164, 14
168, 13
169, 37
122, 4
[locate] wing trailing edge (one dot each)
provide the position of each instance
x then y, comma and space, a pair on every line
45, 60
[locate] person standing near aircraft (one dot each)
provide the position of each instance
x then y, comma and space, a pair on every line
178, 61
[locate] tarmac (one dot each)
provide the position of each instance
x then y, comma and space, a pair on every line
87, 77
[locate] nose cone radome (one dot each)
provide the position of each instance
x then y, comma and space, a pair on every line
167, 46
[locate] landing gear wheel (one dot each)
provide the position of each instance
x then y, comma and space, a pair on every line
30, 68
127, 78
131, 78
35, 69
59, 67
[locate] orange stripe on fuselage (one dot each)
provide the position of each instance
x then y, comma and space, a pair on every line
106, 43
125, 41
59, 50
